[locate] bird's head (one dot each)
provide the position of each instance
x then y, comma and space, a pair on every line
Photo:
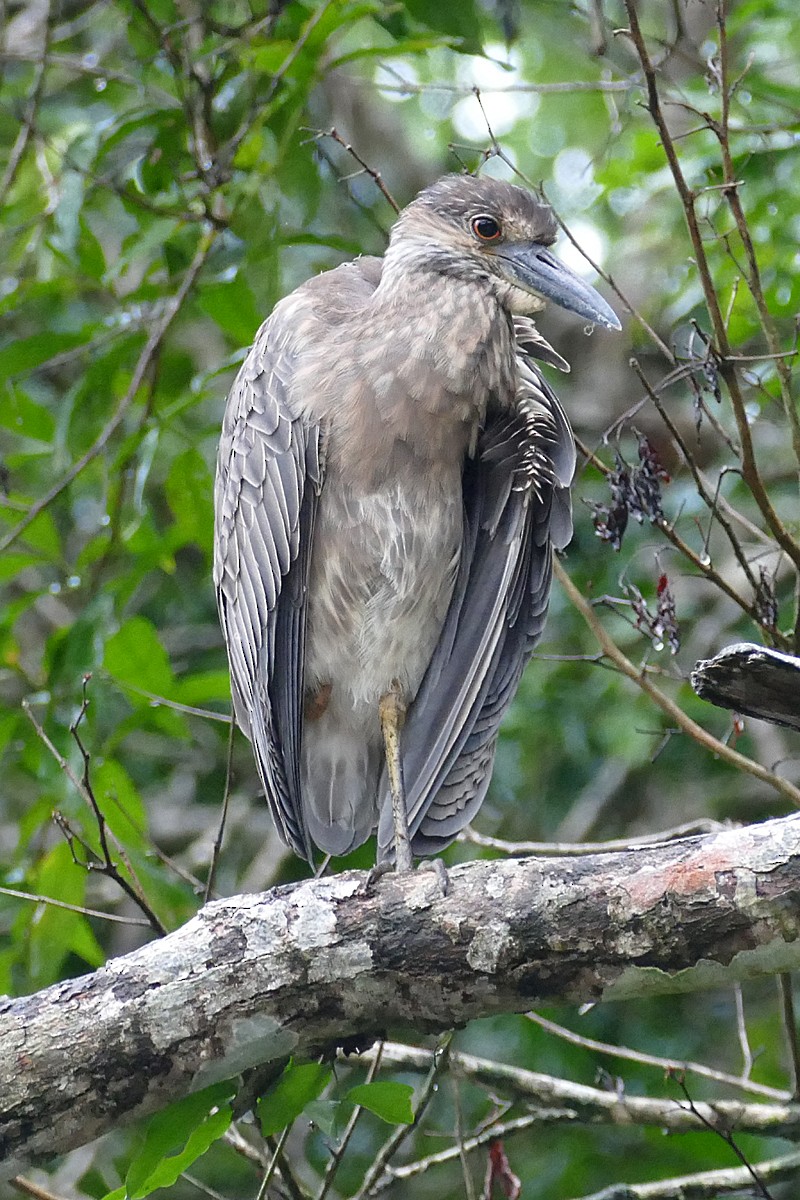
485, 229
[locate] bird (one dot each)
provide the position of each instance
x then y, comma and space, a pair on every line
393, 478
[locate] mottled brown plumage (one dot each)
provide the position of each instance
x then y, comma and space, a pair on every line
393, 474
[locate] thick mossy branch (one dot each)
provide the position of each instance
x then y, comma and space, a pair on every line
303, 969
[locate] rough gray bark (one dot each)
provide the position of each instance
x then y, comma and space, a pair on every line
754, 680
306, 968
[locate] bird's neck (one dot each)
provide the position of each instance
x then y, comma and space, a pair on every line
451, 338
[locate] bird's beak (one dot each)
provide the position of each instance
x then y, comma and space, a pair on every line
532, 267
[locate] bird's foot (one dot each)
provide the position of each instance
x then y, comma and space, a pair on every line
433, 866
437, 868
375, 873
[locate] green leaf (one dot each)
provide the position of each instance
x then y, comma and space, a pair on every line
270, 57
383, 53
176, 1138
299, 1084
189, 488
12, 564
232, 306
331, 1116
27, 353
203, 687
456, 18
388, 1100
90, 252
135, 655
42, 535
55, 933
259, 147
120, 803
24, 417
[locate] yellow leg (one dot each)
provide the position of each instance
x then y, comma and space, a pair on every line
392, 709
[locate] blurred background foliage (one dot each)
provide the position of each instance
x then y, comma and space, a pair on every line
168, 172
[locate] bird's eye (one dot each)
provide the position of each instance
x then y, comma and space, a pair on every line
485, 228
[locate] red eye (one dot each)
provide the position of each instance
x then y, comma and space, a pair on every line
486, 228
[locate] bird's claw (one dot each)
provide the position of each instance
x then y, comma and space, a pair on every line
440, 871
432, 865
374, 874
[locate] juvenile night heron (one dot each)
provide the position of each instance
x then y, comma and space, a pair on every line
393, 475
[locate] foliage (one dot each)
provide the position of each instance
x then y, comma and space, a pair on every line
166, 175
298, 1086
189, 1127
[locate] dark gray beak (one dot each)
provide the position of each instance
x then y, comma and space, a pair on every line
531, 266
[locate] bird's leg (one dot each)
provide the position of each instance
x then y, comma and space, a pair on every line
392, 710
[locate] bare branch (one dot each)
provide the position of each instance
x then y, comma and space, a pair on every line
668, 706
577, 1104
78, 908
560, 849
705, 1185
727, 367
745, 1084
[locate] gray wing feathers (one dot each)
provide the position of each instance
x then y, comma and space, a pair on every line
268, 475
516, 508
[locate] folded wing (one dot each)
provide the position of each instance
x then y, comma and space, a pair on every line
516, 510
268, 480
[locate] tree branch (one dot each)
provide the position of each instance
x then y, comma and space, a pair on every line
303, 969
684, 722
752, 679
568, 1103
706, 1185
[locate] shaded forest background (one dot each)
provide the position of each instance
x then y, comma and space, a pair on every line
168, 170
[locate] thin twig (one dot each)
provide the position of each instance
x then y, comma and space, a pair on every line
438, 1060
28, 1188
729, 1140
157, 701
577, 849
238, 1142
257, 109
290, 1184
501, 1129
78, 908
458, 89
727, 367
203, 1188
29, 120
580, 1104
469, 1187
705, 1185
374, 174
790, 1030
741, 1029
273, 1164
668, 706
744, 1084
698, 482
753, 274
337, 1152
105, 865
223, 817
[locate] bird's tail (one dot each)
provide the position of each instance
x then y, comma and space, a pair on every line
339, 783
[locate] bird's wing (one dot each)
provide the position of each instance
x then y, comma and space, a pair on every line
516, 508
269, 473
